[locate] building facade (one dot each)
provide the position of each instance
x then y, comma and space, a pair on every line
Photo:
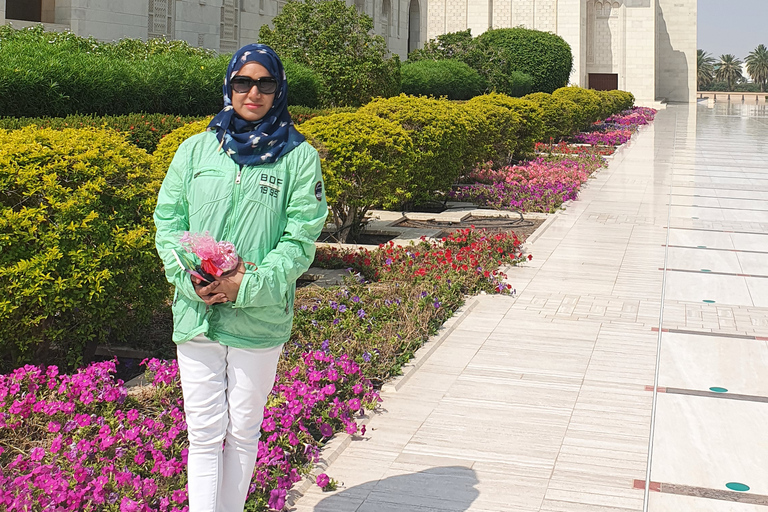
647, 47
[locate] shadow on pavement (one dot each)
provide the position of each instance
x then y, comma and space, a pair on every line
440, 489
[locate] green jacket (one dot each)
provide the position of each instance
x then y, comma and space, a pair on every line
272, 213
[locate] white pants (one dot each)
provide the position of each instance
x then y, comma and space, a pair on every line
225, 390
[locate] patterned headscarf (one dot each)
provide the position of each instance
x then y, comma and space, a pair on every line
269, 138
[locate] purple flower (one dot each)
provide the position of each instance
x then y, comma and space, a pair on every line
324, 346
361, 313
322, 480
366, 356
326, 430
277, 499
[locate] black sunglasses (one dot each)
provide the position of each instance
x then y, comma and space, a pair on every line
244, 84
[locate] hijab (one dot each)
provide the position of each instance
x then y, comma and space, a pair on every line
269, 138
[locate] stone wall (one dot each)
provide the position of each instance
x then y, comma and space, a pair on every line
221, 25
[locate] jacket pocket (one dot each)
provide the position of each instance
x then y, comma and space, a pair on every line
208, 186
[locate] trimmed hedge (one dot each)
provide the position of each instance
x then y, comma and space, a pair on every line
449, 78
557, 115
440, 132
142, 130
544, 56
588, 102
54, 74
530, 125
78, 264
366, 162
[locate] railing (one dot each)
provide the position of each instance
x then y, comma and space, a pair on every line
733, 97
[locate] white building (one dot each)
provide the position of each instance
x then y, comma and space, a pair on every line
647, 47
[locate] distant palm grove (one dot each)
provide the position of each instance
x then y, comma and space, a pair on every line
726, 73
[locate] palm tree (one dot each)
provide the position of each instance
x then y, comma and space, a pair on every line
704, 69
757, 66
728, 69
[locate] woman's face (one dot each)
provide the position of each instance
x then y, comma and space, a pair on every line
252, 105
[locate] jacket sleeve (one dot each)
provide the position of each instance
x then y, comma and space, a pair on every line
171, 220
269, 284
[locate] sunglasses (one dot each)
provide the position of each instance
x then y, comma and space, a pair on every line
244, 84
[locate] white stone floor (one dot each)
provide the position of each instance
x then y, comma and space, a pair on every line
544, 402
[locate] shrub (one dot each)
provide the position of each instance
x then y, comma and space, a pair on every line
450, 78
142, 130
514, 83
495, 131
544, 56
587, 101
167, 147
77, 260
440, 133
300, 114
58, 74
365, 163
530, 127
558, 115
335, 41
304, 85
453, 45
626, 100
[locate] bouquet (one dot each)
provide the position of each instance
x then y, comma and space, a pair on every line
216, 258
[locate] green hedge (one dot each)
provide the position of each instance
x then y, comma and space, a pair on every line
78, 264
450, 78
544, 56
53, 74
366, 162
142, 130
588, 102
557, 114
440, 132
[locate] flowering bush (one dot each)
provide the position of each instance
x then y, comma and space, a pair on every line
556, 175
82, 442
540, 185
606, 138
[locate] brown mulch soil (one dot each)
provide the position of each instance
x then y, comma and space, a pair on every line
522, 227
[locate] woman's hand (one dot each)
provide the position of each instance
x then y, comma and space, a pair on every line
229, 284
208, 291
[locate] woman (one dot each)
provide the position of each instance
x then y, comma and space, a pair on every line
252, 180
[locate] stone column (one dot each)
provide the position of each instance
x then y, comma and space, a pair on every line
572, 26
2, 12
640, 53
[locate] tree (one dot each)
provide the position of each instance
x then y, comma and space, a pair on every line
335, 41
453, 45
757, 66
728, 69
704, 69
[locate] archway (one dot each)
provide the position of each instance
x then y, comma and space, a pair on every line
414, 26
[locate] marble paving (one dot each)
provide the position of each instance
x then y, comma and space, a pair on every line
635, 351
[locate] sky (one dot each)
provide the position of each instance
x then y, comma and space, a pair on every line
732, 26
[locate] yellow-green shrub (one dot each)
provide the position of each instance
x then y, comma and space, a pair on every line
77, 258
558, 115
626, 100
161, 159
495, 132
531, 124
366, 162
588, 101
440, 133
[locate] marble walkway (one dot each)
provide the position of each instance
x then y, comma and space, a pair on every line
639, 335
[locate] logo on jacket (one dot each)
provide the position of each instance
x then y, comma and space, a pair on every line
270, 185
319, 190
